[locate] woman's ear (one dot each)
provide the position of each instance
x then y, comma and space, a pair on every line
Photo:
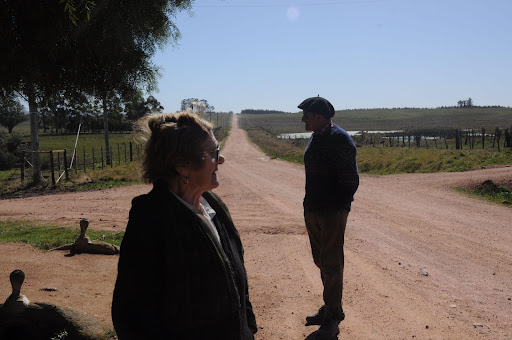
183, 170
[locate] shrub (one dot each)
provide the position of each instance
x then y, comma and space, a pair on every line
9, 150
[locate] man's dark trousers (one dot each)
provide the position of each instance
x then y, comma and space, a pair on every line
326, 230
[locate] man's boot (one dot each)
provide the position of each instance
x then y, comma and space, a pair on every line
329, 328
317, 318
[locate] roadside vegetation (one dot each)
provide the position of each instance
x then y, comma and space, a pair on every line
382, 160
395, 153
97, 175
49, 236
491, 191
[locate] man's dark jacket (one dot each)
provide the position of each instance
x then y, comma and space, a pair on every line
174, 280
332, 177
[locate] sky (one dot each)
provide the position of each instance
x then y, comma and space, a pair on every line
272, 54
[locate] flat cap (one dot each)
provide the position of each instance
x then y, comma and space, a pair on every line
318, 105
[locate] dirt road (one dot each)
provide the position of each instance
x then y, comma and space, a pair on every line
422, 261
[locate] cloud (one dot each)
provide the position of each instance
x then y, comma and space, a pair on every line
293, 13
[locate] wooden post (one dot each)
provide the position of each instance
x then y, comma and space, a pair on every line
483, 138
131, 152
124, 145
93, 160
22, 166
66, 164
102, 163
498, 135
445, 143
52, 167
85, 163
418, 141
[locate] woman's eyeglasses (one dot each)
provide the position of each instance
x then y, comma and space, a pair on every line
215, 154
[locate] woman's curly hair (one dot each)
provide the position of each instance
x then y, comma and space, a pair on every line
171, 140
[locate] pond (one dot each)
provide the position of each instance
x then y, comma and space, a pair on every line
299, 135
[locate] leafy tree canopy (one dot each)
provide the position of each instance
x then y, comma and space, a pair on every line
196, 105
11, 110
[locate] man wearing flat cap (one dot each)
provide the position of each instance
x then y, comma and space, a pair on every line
331, 180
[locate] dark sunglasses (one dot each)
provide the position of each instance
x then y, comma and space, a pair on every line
215, 154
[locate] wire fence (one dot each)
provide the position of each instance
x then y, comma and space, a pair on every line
454, 139
58, 164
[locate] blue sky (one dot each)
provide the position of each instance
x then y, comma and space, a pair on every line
272, 54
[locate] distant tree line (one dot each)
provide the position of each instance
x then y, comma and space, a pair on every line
465, 103
61, 114
252, 111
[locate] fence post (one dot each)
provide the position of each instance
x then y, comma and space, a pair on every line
93, 160
131, 152
118, 154
124, 145
22, 166
85, 163
498, 136
52, 168
102, 163
111, 158
66, 164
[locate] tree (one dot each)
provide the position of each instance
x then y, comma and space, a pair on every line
121, 39
136, 107
103, 57
195, 105
465, 103
11, 111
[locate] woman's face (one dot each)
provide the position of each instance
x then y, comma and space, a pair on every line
205, 178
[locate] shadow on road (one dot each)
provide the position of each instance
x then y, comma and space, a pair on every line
313, 336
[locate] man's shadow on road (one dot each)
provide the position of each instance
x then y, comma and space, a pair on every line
313, 336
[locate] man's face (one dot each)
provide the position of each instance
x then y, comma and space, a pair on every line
313, 121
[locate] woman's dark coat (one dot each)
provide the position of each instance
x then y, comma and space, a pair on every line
174, 280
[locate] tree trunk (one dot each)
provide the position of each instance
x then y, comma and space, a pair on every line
34, 135
105, 128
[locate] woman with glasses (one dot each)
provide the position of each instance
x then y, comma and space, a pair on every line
181, 271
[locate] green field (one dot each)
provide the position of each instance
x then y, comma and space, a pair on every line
380, 158
389, 119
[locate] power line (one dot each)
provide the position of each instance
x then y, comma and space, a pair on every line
295, 5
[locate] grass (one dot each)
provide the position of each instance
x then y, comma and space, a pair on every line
125, 174
490, 191
384, 160
46, 237
120, 174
